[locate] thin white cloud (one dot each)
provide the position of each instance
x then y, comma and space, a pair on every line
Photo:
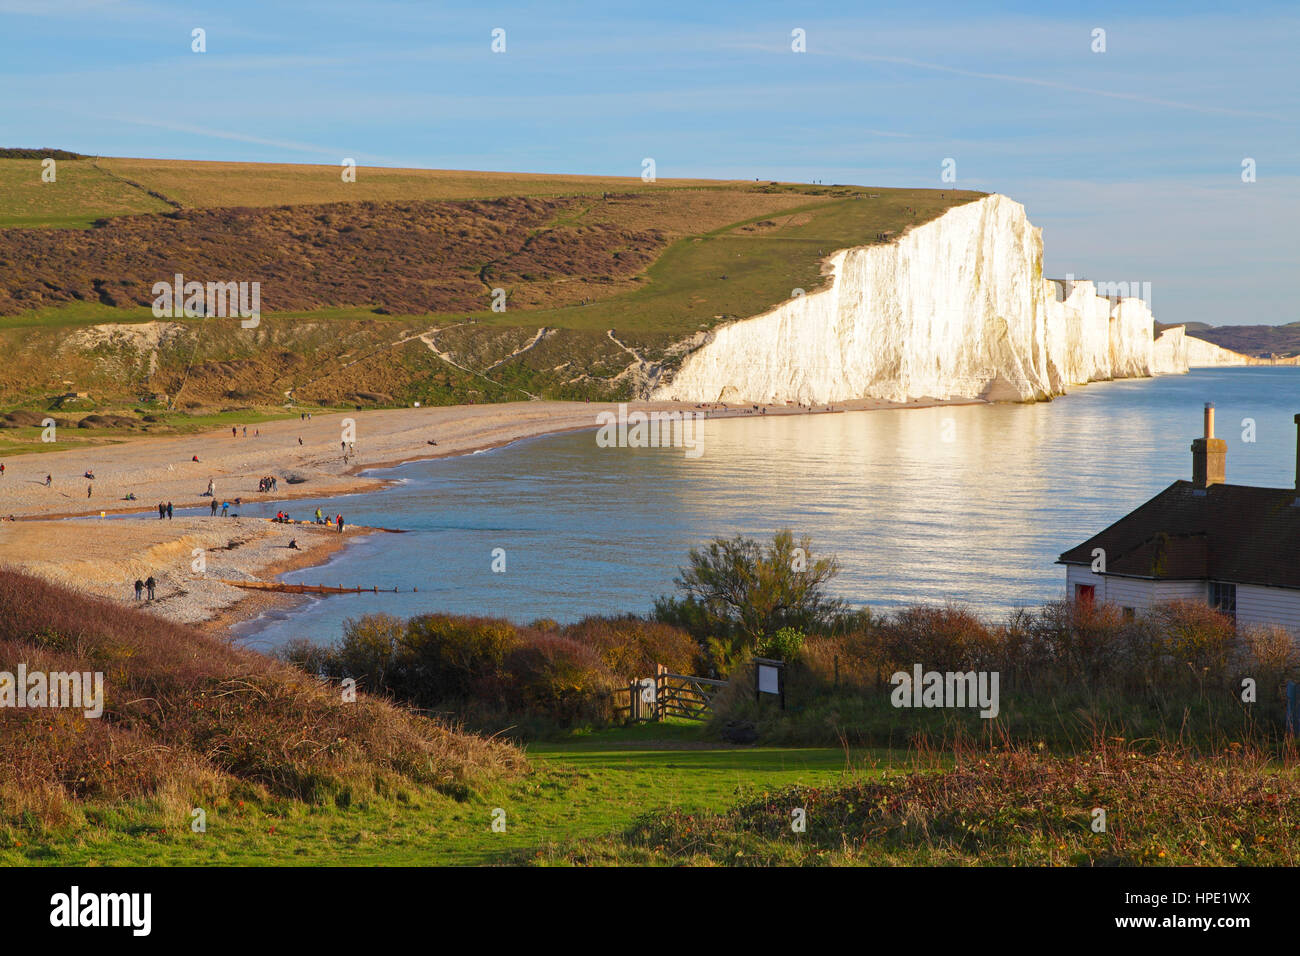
336, 154
1027, 81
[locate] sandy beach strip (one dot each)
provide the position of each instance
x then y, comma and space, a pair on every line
190, 559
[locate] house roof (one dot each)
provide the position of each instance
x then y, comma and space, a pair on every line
1233, 533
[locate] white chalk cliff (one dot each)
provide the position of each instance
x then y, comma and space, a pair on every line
956, 307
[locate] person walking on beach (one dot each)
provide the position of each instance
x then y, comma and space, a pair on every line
318, 517
214, 507
339, 519
150, 584
225, 508
48, 479
89, 489
139, 589
162, 511
169, 511
245, 431
234, 432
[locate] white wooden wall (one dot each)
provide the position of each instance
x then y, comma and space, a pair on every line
1126, 592
1255, 605
1259, 605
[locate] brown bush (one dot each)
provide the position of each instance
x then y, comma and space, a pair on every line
949, 636
563, 678
630, 647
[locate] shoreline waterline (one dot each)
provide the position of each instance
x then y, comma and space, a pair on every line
477, 430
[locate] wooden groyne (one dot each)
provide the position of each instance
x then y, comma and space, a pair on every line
329, 525
306, 588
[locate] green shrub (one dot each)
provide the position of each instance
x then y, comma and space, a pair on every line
784, 645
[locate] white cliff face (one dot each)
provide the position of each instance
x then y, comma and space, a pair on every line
956, 307
1169, 352
1176, 351
1201, 354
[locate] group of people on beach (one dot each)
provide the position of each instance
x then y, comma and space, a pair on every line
164, 511
283, 518
268, 484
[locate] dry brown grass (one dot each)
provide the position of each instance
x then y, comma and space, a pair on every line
187, 712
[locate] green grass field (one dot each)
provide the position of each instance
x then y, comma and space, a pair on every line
81, 193
584, 787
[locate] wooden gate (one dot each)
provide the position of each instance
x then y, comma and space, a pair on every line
668, 695
678, 695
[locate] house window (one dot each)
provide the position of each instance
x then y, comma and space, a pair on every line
1085, 593
1223, 598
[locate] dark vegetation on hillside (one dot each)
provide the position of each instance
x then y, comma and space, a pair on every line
402, 257
9, 152
187, 716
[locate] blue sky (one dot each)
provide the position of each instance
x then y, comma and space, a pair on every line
1129, 159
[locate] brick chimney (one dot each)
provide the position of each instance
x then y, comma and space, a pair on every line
1210, 454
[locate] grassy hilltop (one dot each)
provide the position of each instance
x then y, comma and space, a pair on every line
379, 292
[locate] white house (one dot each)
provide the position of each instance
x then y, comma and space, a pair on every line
1234, 547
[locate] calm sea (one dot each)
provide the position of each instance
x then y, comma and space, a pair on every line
969, 504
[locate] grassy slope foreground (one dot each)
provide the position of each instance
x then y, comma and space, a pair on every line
190, 722
379, 292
